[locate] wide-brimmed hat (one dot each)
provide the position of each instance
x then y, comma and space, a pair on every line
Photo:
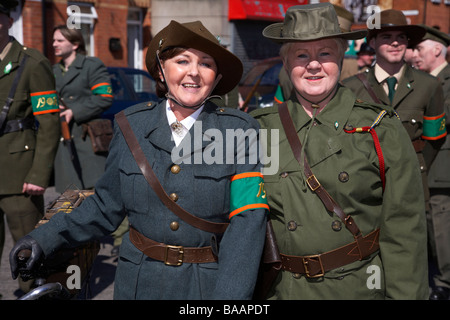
309, 22
7, 5
395, 20
436, 35
195, 35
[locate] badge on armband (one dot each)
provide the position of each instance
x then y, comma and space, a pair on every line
247, 193
44, 102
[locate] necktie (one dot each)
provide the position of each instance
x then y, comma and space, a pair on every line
391, 81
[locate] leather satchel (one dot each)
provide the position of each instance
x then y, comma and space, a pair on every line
101, 132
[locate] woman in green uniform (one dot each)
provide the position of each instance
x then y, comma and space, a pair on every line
349, 221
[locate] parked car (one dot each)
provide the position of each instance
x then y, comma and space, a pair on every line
259, 84
130, 86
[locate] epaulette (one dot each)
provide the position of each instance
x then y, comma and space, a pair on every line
221, 111
380, 109
33, 53
263, 111
140, 107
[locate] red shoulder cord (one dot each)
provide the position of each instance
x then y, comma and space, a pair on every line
376, 142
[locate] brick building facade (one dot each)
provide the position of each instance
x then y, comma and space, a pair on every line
118, 31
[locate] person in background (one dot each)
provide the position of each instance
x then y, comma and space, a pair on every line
28, 152
84, 90
429, 56
417, 97
169, 255
366, 57
348, 219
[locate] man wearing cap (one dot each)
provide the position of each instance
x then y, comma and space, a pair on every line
346, 204
27, 152
416, 96
429, 56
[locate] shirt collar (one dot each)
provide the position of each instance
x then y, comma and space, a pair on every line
187, 122
381, 75
441, 67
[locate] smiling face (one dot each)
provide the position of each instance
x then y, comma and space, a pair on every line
314, 67
190, 76
390, 47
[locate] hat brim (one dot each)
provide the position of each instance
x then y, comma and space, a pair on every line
177, 35
274, 33
414, 33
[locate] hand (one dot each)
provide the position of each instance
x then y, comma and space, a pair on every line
67, 114
25, 243
32, 189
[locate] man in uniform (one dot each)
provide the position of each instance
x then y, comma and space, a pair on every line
416, 96
429, 56
28, 102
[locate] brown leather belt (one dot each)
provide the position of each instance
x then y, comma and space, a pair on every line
314, 266
171, 255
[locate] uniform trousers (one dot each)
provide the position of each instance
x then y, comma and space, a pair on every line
22, 213
440, 234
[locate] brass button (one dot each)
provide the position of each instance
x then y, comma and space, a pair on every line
296, 275
292, 225
348, 127
284, 174
174, 226
221, 110
175, 169
174, 197
343, 176
336, 225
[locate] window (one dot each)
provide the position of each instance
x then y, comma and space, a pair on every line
82, 16
134, 34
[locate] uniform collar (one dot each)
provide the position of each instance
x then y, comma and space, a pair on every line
334, 115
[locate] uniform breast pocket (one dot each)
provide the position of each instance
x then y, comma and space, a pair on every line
135, 189
212, 187
412, 120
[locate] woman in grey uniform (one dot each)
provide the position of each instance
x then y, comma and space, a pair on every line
203, 168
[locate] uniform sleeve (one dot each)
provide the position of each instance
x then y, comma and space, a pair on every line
403, 234
46, 112
434, 129
242, 244
97, 216
100, 95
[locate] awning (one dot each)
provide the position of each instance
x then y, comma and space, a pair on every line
260, 9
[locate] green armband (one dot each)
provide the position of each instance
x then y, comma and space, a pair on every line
44, 102
247, 193
434, 127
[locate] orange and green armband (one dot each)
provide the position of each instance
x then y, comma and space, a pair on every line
434, 127
247, 193
44, 102
103, 89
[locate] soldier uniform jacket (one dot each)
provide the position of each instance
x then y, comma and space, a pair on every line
86, 89
203, 190
418, 101
439, 175
27, 155
347, 165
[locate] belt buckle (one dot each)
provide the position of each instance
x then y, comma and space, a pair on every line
180, 250
315, 257
317, 183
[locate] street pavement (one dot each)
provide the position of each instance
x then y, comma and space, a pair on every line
101, 283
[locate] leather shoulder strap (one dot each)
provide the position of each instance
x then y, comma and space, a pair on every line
151, 178
363, 78
313, 183
12, 91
